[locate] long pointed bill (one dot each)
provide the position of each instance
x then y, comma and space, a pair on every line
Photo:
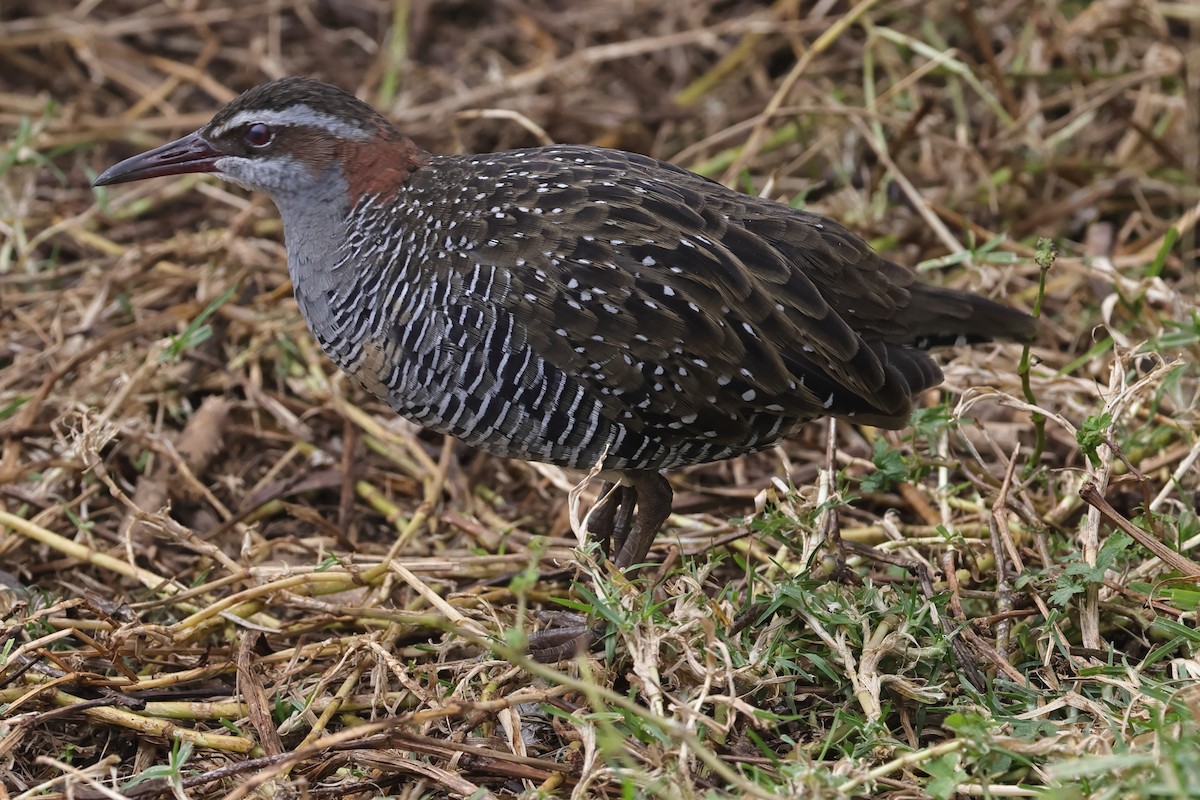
188, 154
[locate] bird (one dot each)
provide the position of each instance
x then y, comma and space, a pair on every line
585, 307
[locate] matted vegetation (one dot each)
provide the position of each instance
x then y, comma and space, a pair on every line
229, 573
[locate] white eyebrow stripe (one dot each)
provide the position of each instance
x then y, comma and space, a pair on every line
292, 115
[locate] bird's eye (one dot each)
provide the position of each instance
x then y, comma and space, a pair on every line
258, 135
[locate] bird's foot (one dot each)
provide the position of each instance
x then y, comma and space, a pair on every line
627, 537
572, 637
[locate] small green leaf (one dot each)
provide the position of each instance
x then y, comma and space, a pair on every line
945, 774
1091, 435
11, 408
890, 468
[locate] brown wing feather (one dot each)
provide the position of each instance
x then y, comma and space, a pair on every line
672, 305
694, 311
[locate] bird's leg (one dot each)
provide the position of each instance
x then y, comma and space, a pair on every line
654, 497
600, 522
609, 523
631, 543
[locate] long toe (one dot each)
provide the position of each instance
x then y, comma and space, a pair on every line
559, 643
654, 497
608, 523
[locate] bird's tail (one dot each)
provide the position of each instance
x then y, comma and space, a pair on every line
937, 318
940, 317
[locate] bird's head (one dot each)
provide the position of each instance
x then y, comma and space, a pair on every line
289, 138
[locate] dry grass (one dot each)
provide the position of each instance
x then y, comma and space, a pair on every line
230, 573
